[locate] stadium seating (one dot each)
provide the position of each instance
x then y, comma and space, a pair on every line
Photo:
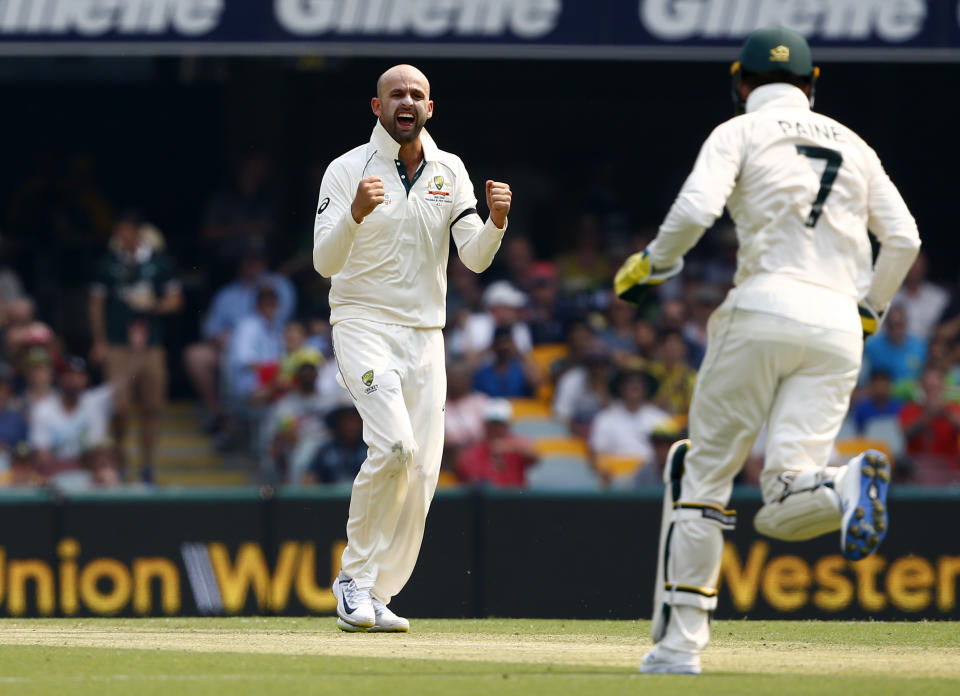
545, 355
852, 446
562, 474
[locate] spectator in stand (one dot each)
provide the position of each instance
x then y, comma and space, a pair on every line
62, 428
583, 391
502, 458
674, 315
580, 342
13, 425
549, 313
585, 269
340, 458
675, 376
11, 288
948, 325
100, 460
706, 298
931, 426
22, 331
298, 423
620, 334
645, 338
319, 336
23, 471
133, 294
256, 348
244, 212
662, 437
878, 402
296, 351
39, 380
922, 301
898, 352
503, 304
275, 380
623, 429
463, 413
231, 304
464, 294
518, 255
509, 374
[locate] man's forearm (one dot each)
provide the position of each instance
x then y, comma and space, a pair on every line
331, 245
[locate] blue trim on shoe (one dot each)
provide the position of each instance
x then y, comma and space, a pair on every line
865, 516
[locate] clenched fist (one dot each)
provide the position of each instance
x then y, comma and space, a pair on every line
498, 202
369, 196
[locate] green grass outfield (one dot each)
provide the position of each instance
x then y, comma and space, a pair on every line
292, 656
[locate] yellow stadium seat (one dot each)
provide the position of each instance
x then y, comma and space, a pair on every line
617, 465
852, 446
545, 355
447, 479
561, 447
530, 408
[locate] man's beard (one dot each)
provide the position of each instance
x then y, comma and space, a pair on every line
391, 127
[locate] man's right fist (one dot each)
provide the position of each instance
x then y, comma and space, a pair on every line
369, 196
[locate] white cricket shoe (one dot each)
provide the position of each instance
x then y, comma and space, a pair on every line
386, 621
864, 497
354, 604
662, 661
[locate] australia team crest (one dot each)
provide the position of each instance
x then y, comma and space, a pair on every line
439, 190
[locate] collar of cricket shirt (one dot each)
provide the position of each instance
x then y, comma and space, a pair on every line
388, 148
777, 95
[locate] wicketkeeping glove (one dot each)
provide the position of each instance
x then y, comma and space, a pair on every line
870, 319
637, 275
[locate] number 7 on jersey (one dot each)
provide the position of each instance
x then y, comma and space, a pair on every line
834, 160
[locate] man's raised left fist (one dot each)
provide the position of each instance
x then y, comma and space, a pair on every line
498, 201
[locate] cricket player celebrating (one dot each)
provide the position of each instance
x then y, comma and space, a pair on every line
785, 346
382, 233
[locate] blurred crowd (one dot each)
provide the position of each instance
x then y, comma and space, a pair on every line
538, 348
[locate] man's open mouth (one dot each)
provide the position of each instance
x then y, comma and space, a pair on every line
405, 119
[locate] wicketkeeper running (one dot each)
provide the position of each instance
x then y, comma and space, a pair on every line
785, 346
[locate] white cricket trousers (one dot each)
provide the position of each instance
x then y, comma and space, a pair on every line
396, 376
759, 367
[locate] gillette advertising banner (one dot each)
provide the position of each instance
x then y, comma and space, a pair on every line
852, 30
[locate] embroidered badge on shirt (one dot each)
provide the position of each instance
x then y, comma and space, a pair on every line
367, 379
437, 194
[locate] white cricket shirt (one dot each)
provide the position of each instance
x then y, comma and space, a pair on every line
802, 190
392, 267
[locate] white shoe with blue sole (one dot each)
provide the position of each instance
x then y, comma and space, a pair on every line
864, 496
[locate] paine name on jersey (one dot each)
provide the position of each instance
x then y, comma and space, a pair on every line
810, 129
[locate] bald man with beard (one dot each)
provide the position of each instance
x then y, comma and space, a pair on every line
382, 233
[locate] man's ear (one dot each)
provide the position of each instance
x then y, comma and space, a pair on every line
744, 91
430, 109
376, 106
